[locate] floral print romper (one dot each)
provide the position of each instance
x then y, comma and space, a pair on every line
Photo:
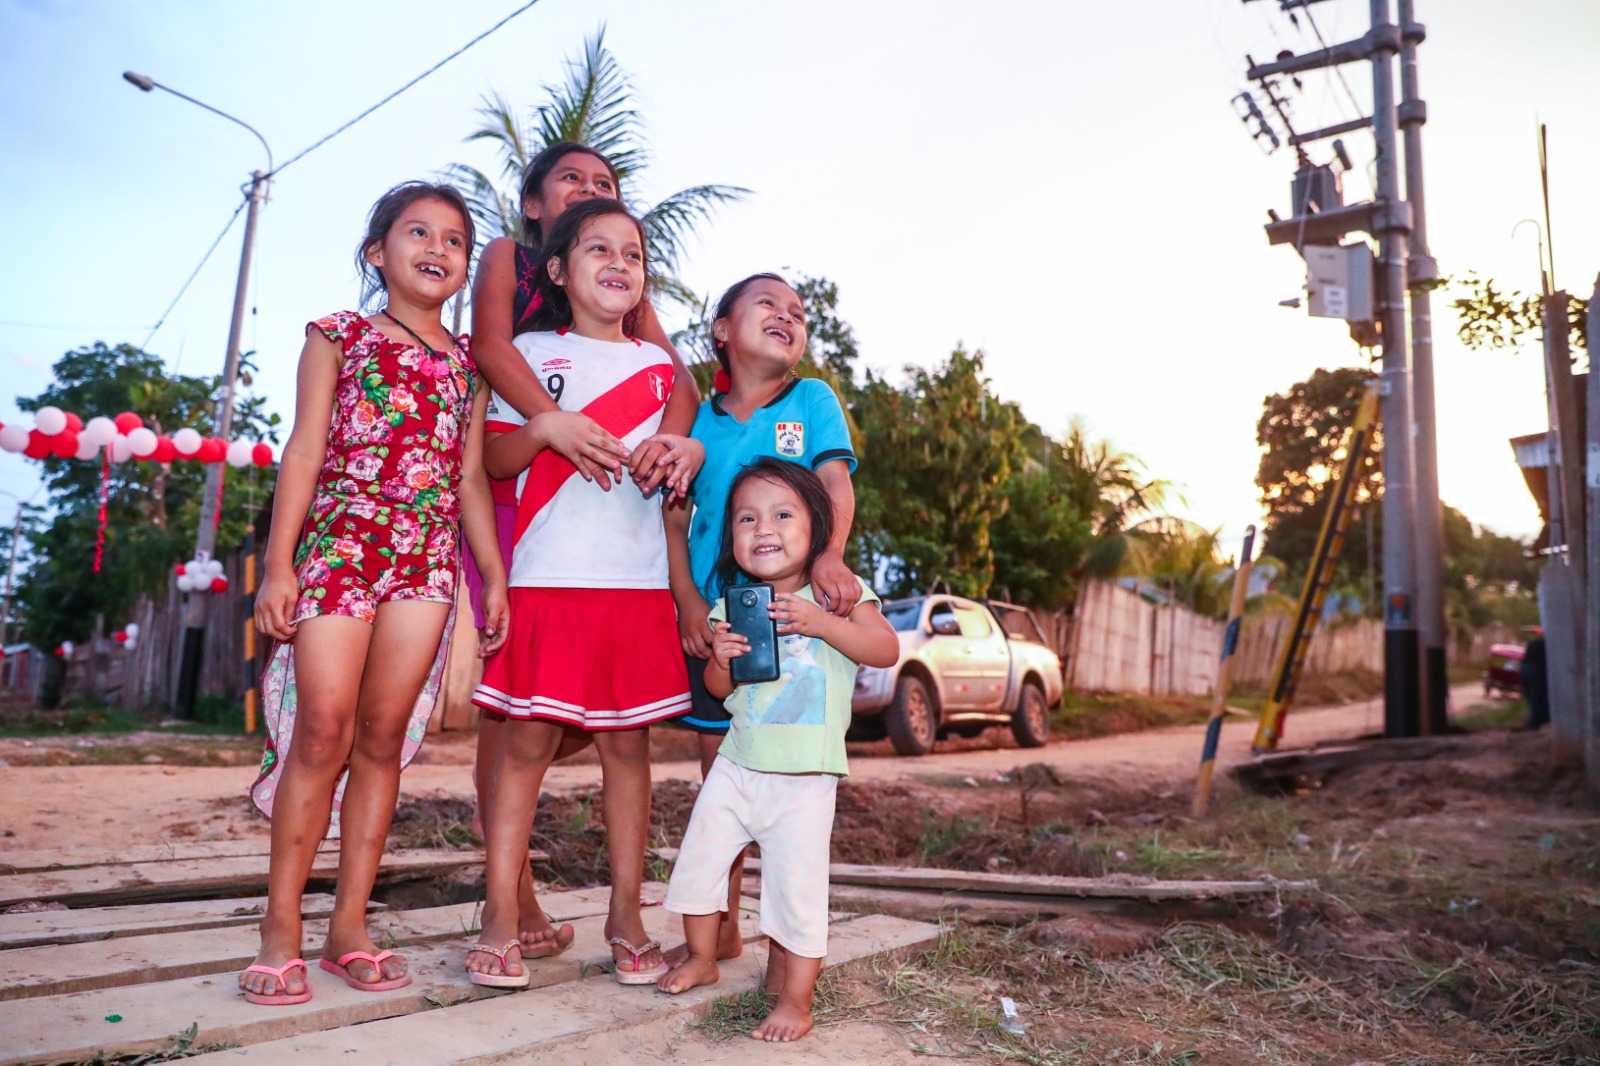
384, 524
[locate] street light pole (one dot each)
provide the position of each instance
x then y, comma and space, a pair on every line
210, 503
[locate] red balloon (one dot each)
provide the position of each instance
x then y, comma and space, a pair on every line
65, 444
74, 423
165, 451
120, 636
61, 653
178, 569
219, 584
213, 450
39, 445
261, 454
127, 422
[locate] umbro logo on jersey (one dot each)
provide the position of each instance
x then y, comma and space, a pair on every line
556, 364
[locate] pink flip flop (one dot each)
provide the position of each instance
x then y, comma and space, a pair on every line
279, 998
341, 971
637, 976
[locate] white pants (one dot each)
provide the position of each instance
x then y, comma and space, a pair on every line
791, 817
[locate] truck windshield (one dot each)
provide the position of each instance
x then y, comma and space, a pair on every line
903, 616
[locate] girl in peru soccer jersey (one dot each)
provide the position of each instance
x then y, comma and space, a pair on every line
592, 643
383, 467
505, 297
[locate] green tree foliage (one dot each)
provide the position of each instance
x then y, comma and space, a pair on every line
1490, 318
1488, 577
592, 106
940, 449
152, 509
1304, 432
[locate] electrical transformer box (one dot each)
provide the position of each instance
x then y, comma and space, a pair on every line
1339, 282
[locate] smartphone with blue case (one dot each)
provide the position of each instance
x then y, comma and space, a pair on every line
748, 614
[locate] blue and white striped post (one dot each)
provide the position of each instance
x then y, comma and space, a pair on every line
1230, 642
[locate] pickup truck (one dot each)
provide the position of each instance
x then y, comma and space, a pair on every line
963, 667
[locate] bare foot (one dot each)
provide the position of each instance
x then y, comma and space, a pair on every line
280, 942
788, 1021
341, 942
689, 974
730, 945
540, 938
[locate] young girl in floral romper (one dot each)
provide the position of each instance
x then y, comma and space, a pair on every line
383, 466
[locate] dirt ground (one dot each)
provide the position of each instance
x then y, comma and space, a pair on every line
1455, 919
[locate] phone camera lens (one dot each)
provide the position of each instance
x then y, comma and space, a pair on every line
748, 598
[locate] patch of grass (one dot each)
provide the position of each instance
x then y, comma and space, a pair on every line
183, 1047
736, 1016
1492, 714
1096, 714
940, 835
1317, 690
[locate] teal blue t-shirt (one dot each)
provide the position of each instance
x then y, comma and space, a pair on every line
804, 423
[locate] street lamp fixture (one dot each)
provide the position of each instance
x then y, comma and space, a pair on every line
206, 539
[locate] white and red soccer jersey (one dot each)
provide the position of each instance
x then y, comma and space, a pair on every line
570, 533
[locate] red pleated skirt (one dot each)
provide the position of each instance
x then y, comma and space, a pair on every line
595, 659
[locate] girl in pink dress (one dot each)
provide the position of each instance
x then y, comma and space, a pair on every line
382, 469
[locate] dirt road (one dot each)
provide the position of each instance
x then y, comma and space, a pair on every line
82, 806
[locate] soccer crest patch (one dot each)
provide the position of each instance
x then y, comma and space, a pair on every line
791, 439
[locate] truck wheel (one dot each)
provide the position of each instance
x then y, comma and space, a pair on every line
912, 723
1031, 722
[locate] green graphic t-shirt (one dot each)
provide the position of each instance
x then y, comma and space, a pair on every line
796, 724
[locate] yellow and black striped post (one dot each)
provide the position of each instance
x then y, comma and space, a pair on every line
1335, 520
1230, 643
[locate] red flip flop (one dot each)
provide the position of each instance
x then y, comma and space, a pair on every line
279, 998
341, 970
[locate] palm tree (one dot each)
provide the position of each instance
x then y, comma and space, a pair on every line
1112, 489
593, 106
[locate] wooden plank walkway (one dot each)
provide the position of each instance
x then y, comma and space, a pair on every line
22, 862
76, 1025
99, 886
32, 928
549, 1024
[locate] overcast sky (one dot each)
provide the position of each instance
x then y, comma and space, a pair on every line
1062, 184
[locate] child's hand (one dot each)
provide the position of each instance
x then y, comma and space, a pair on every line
726, 645
694, 628
795, 614
275, 600
496, 620
668, 459
585, 443
835, 586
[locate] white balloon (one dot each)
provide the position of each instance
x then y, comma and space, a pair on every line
87, 449
186, 441
142, 442
49, 420
185, 583
239, 453
14, 438
66, 647
99, 429
132, 629
214, 569
121, 450
130, 643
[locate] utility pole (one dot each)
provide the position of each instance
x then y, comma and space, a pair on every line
1387, 217
11, 572
1422, 276
1392, 224
206, 539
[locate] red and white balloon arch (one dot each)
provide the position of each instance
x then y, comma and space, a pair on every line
66, 436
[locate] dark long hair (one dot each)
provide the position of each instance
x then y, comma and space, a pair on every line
539, 168
813, 497
555, 308
387, 211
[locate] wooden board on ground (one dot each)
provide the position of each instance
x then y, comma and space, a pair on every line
77, 1025
35, 927
97, 886
62, 968
551, 1025
1111, 887
1285, 770
21, 862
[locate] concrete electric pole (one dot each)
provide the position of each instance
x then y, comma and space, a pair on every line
1388, 217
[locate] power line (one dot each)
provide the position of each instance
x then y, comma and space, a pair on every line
1338, 70
318, 144
193, 273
